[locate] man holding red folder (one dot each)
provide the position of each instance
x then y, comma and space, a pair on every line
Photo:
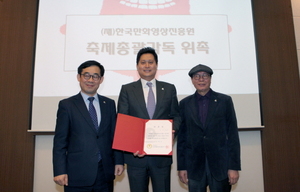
134, 100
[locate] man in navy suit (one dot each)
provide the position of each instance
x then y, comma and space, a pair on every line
208, 147
133, 101
83, 158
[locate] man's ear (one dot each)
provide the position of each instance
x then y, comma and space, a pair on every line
78, 77
101, 80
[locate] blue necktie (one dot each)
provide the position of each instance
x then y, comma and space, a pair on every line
150, 101
93, 113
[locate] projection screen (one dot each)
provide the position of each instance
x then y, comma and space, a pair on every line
217, 33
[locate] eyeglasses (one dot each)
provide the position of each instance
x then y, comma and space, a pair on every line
87, 76
204, 76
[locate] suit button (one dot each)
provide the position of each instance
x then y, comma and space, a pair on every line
97, 137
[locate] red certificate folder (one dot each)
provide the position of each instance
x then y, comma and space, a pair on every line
130, 135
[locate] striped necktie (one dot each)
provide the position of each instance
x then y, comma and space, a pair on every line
93, 113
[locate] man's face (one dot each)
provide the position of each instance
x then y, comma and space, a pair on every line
90, 85
147, 67
201, 82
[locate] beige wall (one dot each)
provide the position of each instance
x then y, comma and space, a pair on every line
251, 179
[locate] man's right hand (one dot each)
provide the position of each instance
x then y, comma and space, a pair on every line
61, 180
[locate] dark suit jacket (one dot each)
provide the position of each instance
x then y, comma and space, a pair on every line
217, 140
132, 102
76, 141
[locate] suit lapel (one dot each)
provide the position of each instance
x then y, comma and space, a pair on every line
104, 115
193, 106
80, 104
139, 97
160, 93
213, 103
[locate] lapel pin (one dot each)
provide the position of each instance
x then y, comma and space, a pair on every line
104, 102
162, 89
215, 100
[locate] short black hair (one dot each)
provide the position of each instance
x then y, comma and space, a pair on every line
144, 51
91, 63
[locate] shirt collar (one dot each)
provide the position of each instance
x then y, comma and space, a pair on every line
207, 95
85, 96
144, 83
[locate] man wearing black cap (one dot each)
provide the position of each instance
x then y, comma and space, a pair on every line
208, 147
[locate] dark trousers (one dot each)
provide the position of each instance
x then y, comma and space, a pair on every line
209, 180
100, 185
139, 178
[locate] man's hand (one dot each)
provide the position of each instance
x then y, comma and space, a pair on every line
61, 180
233, 176
119, 169
139, 155
183, 176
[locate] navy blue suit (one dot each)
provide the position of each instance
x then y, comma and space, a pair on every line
217, 140
76, 141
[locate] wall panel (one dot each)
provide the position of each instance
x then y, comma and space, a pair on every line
17, 34
279, 83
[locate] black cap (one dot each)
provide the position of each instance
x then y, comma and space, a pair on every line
200, 67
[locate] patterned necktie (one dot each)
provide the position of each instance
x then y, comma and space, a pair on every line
150, 101
93, 113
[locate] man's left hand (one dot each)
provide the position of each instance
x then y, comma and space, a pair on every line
233, 176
